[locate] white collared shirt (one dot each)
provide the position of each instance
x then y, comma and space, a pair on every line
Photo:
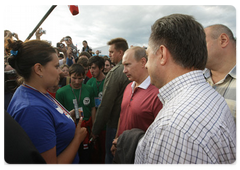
144, 85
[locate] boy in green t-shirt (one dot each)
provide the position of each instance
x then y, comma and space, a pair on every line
84, 96
96, 65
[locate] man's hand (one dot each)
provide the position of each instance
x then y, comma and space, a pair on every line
15, 35
38, 35
114, 146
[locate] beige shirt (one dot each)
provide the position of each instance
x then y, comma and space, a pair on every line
226, 87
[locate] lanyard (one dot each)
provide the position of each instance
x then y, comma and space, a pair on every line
98, 85
50, 98
80, 93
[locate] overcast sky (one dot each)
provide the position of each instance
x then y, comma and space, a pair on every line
99, 23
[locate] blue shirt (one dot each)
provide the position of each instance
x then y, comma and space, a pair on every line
69, 62
43, 120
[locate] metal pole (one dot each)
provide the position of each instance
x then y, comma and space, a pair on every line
42, 20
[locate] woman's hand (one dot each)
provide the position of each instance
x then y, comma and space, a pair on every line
80, 132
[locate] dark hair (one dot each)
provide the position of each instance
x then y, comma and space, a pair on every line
120, 44
76, 69
183, 37
61, 56
28, 54
68, 37
107, 59
84, 53
85, 41
83, 61
99, 61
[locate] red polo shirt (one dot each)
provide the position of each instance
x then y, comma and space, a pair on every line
139, 106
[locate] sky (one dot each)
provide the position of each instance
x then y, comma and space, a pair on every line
100, 23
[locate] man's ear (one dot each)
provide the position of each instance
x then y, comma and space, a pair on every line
121, 52
163, 53
224, 40
38, 69
143, 61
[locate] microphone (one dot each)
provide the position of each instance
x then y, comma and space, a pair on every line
73, 7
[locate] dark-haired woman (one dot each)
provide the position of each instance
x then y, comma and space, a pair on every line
48, 124
86, 47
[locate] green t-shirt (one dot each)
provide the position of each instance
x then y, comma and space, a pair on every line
97, 88
66, 94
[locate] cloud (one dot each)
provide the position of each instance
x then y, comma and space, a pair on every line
100, 23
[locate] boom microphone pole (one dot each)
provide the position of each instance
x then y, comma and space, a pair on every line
42, 20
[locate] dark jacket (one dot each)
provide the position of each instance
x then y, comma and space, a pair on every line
109, 110
18, 147
126, 146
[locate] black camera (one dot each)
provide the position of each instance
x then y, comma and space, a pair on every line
10, 81
74, 50
60, 45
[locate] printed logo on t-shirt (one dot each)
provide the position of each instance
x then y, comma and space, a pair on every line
86, 101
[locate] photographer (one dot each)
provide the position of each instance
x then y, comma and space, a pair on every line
11, 35
62, 48
72, 50
39, 33
86, 47
8, 35
97, 53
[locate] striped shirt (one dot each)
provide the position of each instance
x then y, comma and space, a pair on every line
194, 126
226, 87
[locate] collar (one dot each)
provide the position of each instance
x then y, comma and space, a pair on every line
233, 72
119, 63
144, 85
207, 73
174, 87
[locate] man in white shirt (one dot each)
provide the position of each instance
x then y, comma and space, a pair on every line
195, 124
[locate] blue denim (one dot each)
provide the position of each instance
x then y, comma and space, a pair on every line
110, 135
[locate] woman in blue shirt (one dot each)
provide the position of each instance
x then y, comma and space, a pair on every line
48, 124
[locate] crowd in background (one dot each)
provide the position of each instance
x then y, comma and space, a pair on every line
173, 93
68, 54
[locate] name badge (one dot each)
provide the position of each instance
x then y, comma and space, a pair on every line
80, 109
97, 101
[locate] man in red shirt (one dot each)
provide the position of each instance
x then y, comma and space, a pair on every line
140, 103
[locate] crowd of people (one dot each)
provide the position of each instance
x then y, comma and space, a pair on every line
174, 102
